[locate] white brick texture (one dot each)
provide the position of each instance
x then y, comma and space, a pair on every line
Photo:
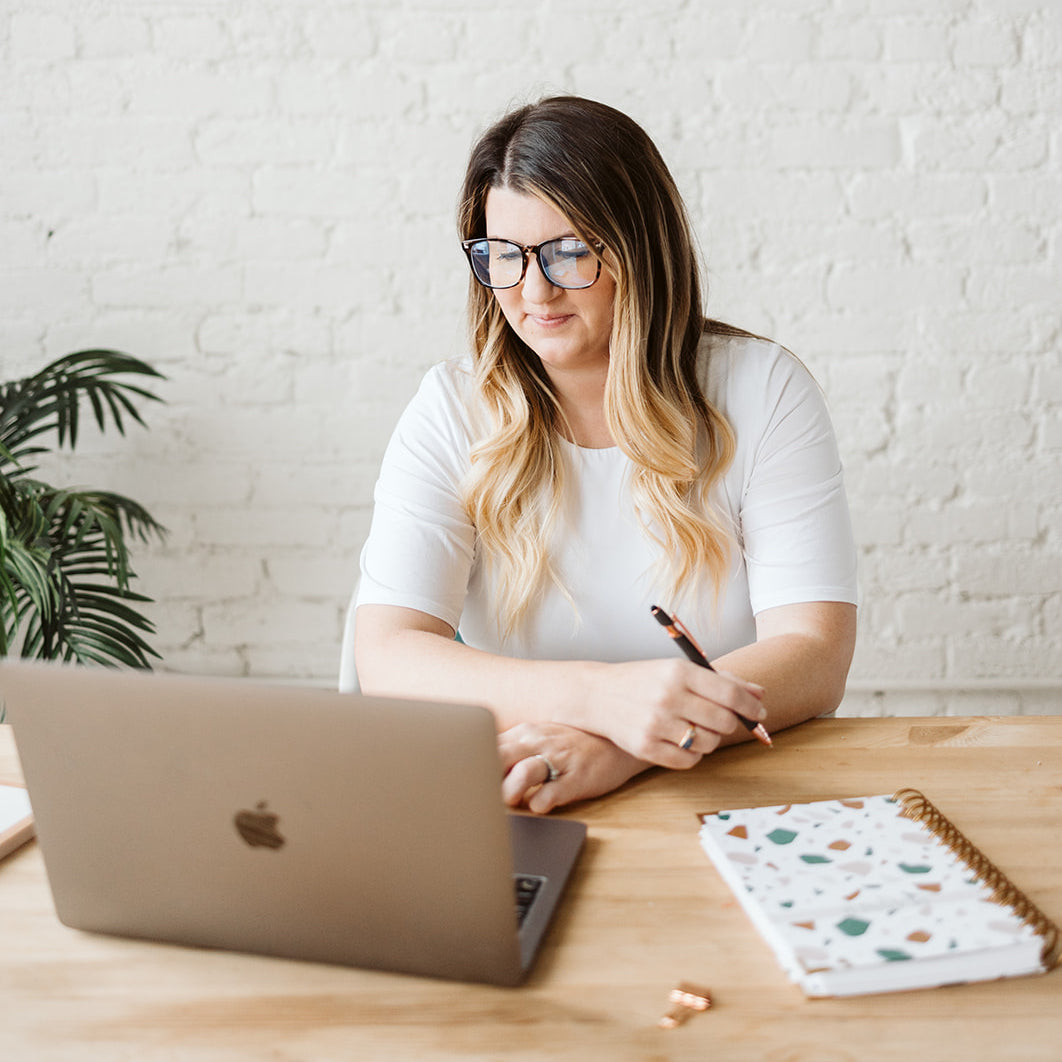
257, 196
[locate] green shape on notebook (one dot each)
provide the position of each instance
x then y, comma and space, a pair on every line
815, 859
781, 836
914, 868
853, 927
892, 955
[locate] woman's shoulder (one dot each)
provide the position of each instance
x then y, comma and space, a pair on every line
734, 352
441, 406
449, 379
740, 367
446, 388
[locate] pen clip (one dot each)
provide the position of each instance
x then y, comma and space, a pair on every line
684, 630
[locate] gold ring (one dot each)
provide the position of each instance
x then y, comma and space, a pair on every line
687, 738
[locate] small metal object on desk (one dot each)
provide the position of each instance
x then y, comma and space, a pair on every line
686, 1000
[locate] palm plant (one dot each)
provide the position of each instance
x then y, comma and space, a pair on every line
64, 564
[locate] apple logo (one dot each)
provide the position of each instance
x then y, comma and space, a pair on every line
259, 827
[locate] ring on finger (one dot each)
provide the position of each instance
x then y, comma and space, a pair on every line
553, 774
687, 738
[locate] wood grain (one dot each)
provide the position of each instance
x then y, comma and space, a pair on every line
645, 912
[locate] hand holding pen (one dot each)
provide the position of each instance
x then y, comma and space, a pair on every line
684, 640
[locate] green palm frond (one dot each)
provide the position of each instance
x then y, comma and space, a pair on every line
65, 575
50, 400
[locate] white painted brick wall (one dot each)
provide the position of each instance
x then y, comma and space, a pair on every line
258, 198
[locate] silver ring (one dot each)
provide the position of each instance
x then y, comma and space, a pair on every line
554, 774
687, 738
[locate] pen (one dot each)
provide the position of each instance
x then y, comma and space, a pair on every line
684, 640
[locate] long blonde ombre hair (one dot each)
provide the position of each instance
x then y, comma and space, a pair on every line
600, 170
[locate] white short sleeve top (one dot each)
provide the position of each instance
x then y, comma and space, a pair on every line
783, 494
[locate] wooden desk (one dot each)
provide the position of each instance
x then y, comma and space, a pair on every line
645, 911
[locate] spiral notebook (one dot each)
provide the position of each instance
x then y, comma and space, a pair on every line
876, 894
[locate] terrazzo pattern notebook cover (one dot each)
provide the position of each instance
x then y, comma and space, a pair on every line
875, 894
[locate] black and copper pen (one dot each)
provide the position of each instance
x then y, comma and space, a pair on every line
684, 640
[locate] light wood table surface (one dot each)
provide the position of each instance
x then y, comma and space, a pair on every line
645, 910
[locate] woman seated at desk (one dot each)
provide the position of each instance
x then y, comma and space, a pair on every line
604, 448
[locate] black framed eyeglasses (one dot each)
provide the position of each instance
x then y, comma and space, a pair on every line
566, 262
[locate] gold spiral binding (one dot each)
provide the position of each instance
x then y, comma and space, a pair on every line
918, 807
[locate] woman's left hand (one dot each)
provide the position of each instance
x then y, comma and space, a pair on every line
585, 765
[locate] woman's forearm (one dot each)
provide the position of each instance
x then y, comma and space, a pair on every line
801, 659
667, 711
402, 653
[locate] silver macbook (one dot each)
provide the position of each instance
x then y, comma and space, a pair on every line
288, 821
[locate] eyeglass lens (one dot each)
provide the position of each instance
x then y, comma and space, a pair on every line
566, 262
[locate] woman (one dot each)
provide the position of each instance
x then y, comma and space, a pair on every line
604, 448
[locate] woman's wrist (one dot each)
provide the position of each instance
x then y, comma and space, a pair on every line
580, 700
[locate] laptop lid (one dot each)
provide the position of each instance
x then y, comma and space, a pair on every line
283, 820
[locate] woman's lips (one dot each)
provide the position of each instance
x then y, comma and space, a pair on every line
549, 321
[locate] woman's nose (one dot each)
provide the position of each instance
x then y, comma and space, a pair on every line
536, 285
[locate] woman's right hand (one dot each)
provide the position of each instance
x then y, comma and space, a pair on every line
650, 708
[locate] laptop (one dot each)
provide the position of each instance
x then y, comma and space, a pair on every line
282, 820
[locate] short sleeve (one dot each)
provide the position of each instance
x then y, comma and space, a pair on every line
421, 544
795, 527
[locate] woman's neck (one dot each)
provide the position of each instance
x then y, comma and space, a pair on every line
581, 398
590, 435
